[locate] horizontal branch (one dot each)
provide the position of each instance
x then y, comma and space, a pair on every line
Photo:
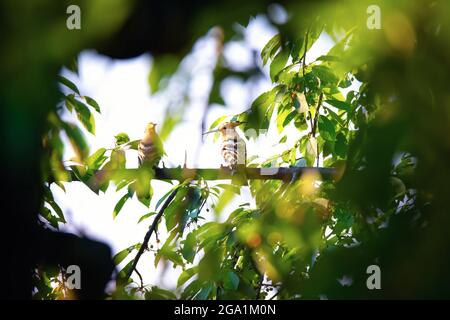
223, 173
285, 174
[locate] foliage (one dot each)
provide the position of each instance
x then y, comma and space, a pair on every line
292, 243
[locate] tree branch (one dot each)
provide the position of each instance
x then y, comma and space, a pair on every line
181, 174
316, 116
149, 233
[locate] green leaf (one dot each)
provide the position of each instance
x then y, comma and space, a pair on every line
231, 187
156, 293
162, 66
304, 43
328, 58
217, 121
327, 129
168, 252
204, 293
282, 114
261, 110
47, 215
326, 75
84, 115
339, 104
230, 281
189, 247
171, 119
145, 216
96, 159
121, 138
77, 140
309, 146
160, 201
70, 102
344, 221
186, 275
120, 256
125, 270
69, 84
341, 146
117, 160
290, 117
120, 204
134, 144
335, 116
122, 184
58, 211
278, 63
92, 103
270, 48
174, 214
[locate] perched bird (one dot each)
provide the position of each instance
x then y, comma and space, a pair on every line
150, 149
233, 149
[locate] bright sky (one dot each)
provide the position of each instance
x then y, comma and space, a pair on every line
122, 91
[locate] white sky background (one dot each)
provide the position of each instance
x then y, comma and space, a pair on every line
122, 91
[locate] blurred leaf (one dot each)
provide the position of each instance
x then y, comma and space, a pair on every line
156, 293
120, 256
270, 48
77, 140
339, 104
344, 220
92, 103
69, 84
189, 247
84, 115
96, 159
145, 216
217, 122
310, 150
186, 275
162, 67
204, 293
326, 75
58, 211
125, 270
278, 63
47, 215
121, 138
168, 252
120, 204
326, 128
230, 281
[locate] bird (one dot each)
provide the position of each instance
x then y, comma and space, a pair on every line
233, 149
150, 148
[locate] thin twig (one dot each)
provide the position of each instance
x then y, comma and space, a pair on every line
316, 116
271, 298
149, 233
261, 279
316, 119
140, 278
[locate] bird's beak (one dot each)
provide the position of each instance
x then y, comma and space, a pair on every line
216, 130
